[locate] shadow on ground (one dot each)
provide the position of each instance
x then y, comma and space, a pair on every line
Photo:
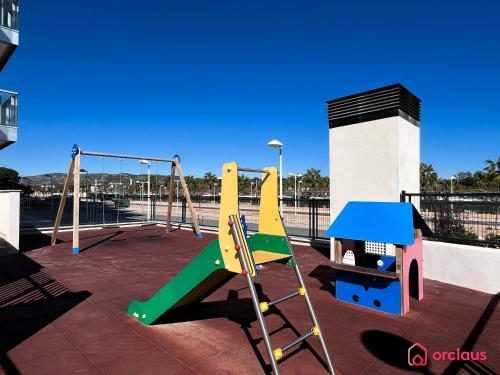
240, 311
30, 299
326, 276
472, 340
33, 240
393, 349
321, 247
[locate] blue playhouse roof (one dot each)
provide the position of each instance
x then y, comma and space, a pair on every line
390, 222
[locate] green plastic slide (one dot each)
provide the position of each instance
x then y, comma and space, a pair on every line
196, 281
201, 277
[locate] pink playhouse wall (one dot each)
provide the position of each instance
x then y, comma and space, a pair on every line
410, 253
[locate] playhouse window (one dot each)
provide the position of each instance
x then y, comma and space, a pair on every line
379, 248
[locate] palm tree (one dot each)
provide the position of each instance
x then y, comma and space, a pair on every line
192, 184
491, 167
312, 178
244, 184
428, 176
491, 173
209, 181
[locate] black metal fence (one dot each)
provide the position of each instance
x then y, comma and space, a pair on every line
308, 218
40, 212
470, 218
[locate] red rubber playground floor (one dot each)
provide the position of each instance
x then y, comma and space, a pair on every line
66, 314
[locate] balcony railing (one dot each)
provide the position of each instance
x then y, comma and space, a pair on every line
8, 108
9, 16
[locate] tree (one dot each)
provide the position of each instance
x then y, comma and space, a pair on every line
9, 179
8, 175
491, 173
312, 178
465, 179
428, 177
209, 181
244, 185
192, 185
491, 167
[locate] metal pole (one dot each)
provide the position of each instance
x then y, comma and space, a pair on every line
177, 192
51, 196
149, 192
315, 321
295, 178
255, 301
281, 181
101, 154
87, 194
255, 170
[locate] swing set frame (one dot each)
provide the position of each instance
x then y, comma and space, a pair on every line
74, 170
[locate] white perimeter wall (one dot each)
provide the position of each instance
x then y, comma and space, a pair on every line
471, 267
9, 216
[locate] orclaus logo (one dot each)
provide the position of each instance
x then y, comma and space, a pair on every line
418, 355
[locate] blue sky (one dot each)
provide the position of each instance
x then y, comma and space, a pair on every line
215, 80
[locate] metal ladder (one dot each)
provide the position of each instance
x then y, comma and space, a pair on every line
248, 268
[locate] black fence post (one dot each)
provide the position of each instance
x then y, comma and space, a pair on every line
184, 208
309, 217
402, 196
313, 219
316, 219
153, 207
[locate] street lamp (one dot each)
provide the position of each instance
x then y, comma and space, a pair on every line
145, 162
295, 175
277, 144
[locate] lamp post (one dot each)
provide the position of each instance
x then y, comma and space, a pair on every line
51, 196
277, 144
149, 186
295, 175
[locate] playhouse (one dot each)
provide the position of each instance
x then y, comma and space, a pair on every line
378, 255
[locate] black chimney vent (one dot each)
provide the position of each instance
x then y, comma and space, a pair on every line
388, 101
